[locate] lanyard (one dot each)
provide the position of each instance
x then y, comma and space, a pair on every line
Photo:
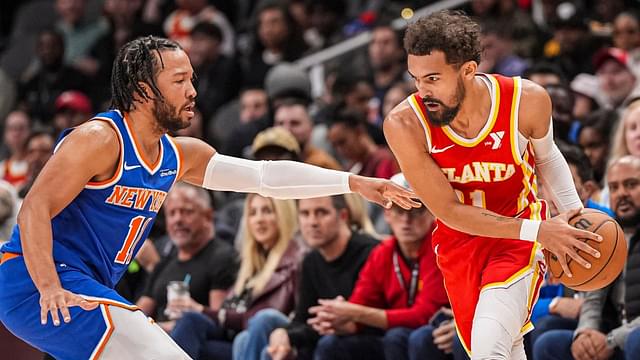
413, 285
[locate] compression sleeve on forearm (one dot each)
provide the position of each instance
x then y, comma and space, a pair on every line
555, 173
277, 179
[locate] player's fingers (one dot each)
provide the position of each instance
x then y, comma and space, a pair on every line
53, 310
579, 259
571, 213
44, 313
584, 234
562, 259
580, 245
66, 316
88, 305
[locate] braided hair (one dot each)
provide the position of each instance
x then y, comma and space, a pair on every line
136, 63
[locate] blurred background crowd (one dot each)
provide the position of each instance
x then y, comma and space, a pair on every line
312, 81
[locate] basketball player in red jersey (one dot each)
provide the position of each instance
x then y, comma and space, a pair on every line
471, 146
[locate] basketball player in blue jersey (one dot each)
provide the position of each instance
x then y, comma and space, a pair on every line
95, 201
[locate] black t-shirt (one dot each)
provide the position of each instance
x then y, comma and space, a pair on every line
214, 268
323, 279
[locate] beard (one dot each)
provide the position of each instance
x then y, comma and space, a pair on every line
630, 221
167, 116
448, 113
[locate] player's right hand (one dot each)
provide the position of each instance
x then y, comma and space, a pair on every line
56, 300
564, 240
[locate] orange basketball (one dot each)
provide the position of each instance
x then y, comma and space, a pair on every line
604, 270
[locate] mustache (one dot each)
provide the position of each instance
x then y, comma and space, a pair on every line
426, 100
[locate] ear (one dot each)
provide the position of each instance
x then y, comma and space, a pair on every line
469, 69
146, 89
590, 187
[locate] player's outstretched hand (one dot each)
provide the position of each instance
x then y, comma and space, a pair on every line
383, 192
59, 299
564, 240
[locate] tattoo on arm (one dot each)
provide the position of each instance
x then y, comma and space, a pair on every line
500, 218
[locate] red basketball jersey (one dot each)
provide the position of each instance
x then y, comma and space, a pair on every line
488, 171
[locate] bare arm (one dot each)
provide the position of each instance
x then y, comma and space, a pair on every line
51, 193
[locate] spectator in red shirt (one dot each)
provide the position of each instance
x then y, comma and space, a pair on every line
400, 286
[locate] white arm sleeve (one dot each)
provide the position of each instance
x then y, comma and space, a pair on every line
555, 173
276, 179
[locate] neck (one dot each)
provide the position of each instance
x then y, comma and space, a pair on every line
410, 249
474, 110
335, 248
188, 251
145, 128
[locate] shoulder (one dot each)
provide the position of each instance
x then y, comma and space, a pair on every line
95, 135
535, 110
362, 243
400, 116
384, 247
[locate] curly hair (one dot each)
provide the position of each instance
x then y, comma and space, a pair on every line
452, 32
135, 63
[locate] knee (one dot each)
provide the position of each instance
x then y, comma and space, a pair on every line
632, 343
240, 344
327, 347
191, 321
422, 335
396, 336
267, 318
551, 343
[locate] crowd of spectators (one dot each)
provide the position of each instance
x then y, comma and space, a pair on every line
335, 277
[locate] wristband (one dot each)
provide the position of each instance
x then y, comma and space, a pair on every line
529, 229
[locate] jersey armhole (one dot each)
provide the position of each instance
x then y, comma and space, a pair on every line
516, 136
94, 185
413, 102
179, 157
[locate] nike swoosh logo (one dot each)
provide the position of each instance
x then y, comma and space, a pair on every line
437, 151
127, 167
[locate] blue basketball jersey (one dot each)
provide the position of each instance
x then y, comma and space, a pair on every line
103, 228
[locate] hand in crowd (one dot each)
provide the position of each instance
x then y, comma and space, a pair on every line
568, 308
591, 344
181, 305
335, 316
445, 334
279, 345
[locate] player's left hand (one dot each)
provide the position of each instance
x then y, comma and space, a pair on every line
56, 300
383, 192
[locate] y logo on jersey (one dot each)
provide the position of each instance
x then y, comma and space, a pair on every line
497, 139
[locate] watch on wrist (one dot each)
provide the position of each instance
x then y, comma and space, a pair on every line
610, 341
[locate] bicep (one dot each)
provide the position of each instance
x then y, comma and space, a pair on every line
534, 113
196, 155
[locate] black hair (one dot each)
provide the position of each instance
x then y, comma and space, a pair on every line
136, 63
576, 157
452, 32
545, 67
350, 118
602, 121
208, 29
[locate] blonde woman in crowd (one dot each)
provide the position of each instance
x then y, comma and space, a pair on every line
626, 139
267, 279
